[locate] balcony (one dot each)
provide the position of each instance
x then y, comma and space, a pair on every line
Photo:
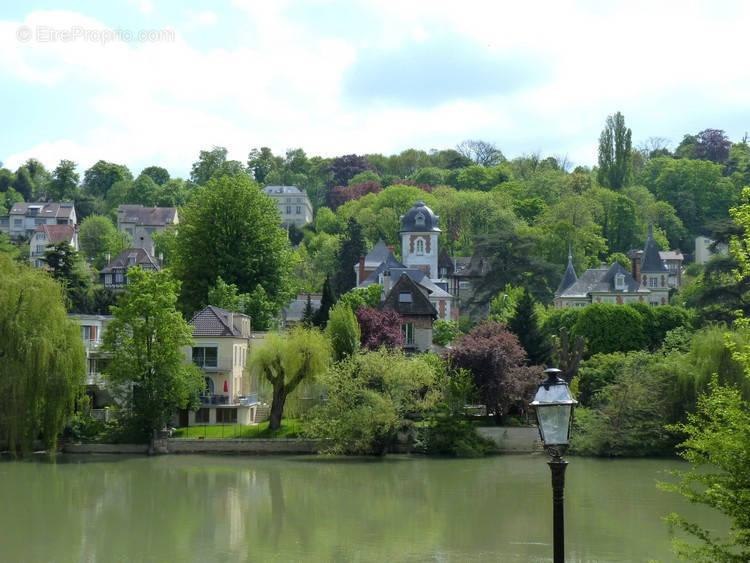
92, 345
226, 400
94, 378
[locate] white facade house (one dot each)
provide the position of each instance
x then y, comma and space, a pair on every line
221, 347
92, 333
293, 204
24, 217
703, 251
46, 235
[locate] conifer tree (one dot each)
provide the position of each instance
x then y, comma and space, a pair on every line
352, 247
327, 301
615, 148
525, 325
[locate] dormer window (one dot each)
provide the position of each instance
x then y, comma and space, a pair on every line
620, 281
420, 246
404, 297
419, 219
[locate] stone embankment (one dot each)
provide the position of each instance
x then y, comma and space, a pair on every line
507, 440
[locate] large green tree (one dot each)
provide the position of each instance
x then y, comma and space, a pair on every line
615, 146
64, 181
285, 361
145, 338
98, 237
103, 175
42, 361
231, 229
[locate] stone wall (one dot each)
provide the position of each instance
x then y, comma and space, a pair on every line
255, 446
105, 448
513, 439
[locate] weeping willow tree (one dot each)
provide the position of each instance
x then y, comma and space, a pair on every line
42, 360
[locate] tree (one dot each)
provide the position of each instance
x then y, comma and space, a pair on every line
607, 328
717, 447
64, 181
23, 183
362, 296
256, 304
157, 174
496, 361
380, 328
66, 266
103, 175
369, 397
327, 300
344, 168
42, 360
308, 315
208, 164
444, 332
143, 191
351, 248
614, 153
260, 163
480, 152
713, 145
343, 331
98, 237
525, 325
231, 229
145, 339
285, 361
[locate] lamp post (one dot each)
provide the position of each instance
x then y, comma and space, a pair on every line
554, 412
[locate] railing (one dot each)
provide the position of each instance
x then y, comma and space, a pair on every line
248, 400
92, 344
242, 400
94, 378
214, 399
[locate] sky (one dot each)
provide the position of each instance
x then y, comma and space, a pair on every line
150, 82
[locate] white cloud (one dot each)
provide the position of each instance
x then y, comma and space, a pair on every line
663, 64
143, 6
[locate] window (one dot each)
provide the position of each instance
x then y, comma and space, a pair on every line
89, 332
202, 416
39, 221
404, 297
209, 385
652, 282
18, 222
107, 279
288, 209
299, 200
420, 246
226, 415
419, 220
299, 210
619, 281
129, 230
408, 329
119, 277
205, 356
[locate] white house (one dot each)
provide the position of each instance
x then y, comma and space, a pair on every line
293, 204
140, 223
46, 235
25, 217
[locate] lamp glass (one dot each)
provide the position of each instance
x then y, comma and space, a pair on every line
554, 423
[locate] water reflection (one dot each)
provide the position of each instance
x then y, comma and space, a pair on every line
288, 509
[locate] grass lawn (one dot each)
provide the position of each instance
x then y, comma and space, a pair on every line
290, 428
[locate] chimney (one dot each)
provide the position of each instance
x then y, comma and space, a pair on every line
386, 281
635, 265
108, 258
361, 273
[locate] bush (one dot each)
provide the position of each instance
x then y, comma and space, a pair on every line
610, 328
369, 399
447, 435
444, 332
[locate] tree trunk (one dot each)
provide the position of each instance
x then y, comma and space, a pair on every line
277, 407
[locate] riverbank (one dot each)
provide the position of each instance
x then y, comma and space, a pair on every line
512, 439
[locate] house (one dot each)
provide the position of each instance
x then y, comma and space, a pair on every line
672, 259
46, 235
293, 204
464, 274
599, 285
24, 217
140, 223
410, 300
221, 347
706, 247
114, 274
294, 313
92, 331
419, 250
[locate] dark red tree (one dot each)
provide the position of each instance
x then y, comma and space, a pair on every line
380, 328
713, 145
496, 361
344, 168
341, 194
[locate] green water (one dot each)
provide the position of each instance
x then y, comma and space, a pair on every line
211, 508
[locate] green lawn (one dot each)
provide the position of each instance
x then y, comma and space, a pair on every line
289, 429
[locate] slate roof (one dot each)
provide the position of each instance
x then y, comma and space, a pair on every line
213, 321
295, 311
152, 216
57, 210
277, 190
377, 255
120, 262
387, 264
651, 262
420, 278
410, 222
671, 255
602, 280
569, 277
57, 233
418, 304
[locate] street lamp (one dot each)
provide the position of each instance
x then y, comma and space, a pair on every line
554, 412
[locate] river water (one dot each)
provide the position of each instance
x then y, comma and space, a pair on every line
221, 508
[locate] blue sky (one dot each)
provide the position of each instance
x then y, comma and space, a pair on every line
343, 77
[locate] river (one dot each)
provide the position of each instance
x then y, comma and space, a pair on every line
222, 508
